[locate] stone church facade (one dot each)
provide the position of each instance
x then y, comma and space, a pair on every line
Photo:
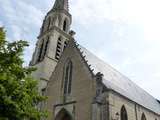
79, 85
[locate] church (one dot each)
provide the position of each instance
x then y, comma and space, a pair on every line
79, 85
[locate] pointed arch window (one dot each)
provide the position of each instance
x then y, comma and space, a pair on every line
68, 78
40, 51
49, 23
124, 115
65, 25
46, 47
143, 117
65, 44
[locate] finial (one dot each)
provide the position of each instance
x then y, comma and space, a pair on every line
99, 77
61, 5
72, 33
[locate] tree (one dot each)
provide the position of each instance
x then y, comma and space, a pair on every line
19, 95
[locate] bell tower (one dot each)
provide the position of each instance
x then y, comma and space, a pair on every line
53, 37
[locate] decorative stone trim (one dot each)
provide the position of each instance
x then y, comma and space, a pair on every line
57, 29
84, 58
71, 102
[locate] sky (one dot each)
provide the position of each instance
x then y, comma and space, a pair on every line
124, 33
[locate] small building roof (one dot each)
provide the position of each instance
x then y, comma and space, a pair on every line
121, 84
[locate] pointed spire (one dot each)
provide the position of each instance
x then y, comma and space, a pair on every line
61, 5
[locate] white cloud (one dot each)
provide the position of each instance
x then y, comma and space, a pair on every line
124, 10
22, 20
91, 10
29, 14
21, 17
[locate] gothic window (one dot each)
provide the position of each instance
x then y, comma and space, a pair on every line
143, 117
124, 113
65, 25
46, 47
49, 23
53, 21
40, 51
58, 49
68, 78
65, 44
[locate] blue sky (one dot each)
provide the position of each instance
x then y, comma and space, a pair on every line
124, 33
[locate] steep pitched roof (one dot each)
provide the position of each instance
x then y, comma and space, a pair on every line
61, 5
119, 83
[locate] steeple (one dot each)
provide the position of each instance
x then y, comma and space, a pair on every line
54, 35
61, 5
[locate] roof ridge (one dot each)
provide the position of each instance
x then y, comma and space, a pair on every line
119, 82
117, 71
84, 57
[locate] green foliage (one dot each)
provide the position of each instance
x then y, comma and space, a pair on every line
19, 95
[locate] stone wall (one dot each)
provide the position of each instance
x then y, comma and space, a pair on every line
79, 103
134, 111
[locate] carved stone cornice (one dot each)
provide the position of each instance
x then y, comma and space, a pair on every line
57, 29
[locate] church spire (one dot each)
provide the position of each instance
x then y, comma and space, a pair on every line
61, 5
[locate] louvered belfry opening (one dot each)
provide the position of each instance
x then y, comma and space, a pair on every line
43, 49
59, 48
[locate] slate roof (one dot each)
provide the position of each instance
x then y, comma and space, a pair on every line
116, 81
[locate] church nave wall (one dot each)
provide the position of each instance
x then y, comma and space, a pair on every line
134, 111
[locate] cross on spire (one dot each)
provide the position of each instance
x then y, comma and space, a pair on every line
61, 5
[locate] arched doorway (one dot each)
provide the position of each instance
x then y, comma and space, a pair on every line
63, 115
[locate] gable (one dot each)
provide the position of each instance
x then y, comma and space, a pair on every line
82, 81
